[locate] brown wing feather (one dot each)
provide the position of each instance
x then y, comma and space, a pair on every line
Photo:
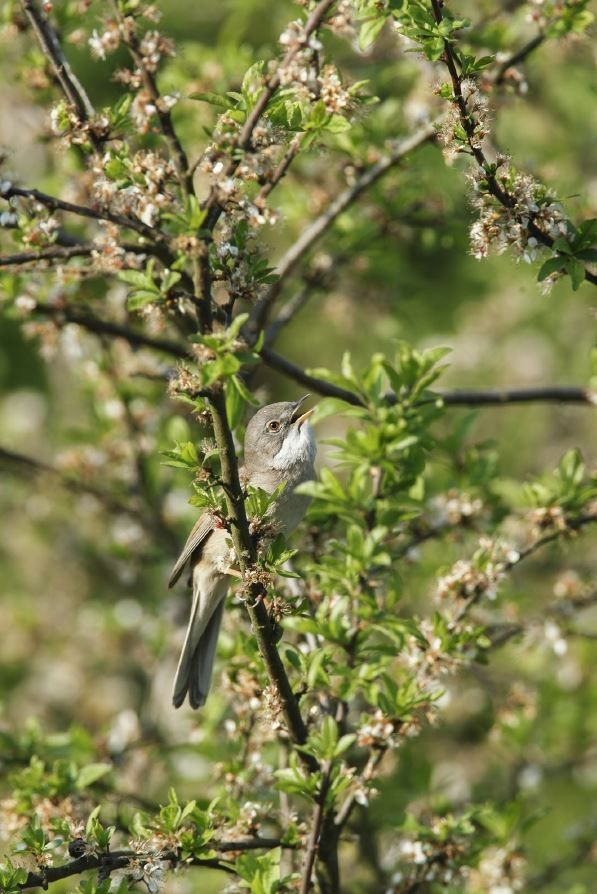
202, 528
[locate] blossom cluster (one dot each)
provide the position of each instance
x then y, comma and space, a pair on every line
470, 579
500, 227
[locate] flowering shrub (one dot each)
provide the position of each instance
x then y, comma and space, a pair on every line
365, 732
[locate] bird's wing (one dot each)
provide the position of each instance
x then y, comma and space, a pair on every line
202, 529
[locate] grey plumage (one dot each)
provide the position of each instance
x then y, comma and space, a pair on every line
279, 447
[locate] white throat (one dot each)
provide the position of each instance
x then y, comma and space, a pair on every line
298, 448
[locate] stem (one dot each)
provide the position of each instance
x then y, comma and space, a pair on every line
247, 556
316, 828
70, 84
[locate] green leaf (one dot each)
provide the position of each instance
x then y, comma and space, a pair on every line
214, 99
91, 773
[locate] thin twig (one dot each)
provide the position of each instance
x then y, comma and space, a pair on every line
55, 204
315, 833
572, 526
315, 231
70, 84
177, 153
64, 253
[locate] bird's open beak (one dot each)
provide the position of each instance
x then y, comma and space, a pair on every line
296, 419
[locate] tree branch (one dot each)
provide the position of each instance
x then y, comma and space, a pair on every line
28, 464
313, 233
517, 57
70, 84
457, 398
245, 136
9, 191
64, 253
113, 860
175, 147
469, 125
247, 557
315, 833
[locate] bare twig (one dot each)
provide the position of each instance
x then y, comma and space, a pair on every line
313, 233
64, 253
70, 84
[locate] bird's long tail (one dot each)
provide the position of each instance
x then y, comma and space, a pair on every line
195, 666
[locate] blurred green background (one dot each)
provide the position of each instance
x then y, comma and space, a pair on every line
89, 631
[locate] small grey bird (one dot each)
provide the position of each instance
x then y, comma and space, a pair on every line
279, 448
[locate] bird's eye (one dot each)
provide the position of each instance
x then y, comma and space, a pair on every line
274, 425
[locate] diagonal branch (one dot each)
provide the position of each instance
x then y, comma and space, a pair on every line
28, 466
517, 57
315, 231
70, 84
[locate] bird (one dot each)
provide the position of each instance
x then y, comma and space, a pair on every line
279, 448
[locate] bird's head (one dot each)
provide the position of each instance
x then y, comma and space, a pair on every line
279, 437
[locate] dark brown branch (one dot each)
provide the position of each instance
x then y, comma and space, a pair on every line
315, 231
54, 204
469, 125
67, 313
282, 168
113, 860
247, 557
70, 84
64, 253
315, 833
175, 147
571, 527
458, 398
